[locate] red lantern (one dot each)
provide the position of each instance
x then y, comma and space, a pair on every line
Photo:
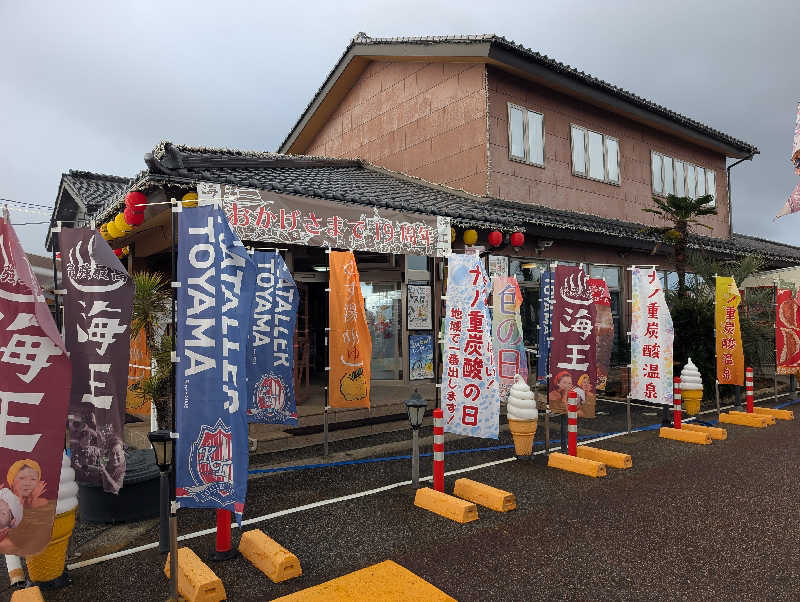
517, 239
132, 217
136, 200
118, 252
495, 238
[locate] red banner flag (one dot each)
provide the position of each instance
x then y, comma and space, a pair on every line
35, 379
603, 328
787, 332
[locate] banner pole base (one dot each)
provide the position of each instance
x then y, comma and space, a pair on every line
224, 549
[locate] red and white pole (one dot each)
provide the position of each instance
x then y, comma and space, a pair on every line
676, 402
438, 450
748, 382
572, 424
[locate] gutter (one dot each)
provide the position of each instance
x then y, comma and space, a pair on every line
730, 199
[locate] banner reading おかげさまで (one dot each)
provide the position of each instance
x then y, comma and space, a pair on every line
35, 378
471, 396
213, 322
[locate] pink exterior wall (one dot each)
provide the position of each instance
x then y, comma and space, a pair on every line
555, 186
424, 119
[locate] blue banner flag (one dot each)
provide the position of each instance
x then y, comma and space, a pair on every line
545, 323
216, 277
270, 348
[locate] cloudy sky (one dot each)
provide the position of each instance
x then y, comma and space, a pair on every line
94, 86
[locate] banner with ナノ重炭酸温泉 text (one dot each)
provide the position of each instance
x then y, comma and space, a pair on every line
470, 392
216, 284
270, 348
652, 337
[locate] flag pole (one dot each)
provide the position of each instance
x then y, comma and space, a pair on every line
327, 359
775, 329
716, 359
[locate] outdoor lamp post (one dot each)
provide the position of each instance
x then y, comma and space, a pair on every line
415, 406
164, 445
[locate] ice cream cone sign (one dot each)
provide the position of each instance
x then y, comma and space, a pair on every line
522, 416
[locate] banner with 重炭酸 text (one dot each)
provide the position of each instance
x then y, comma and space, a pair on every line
470, 392
787, 331
97, 319
268, 216
652, 338
730, 355
35, 378
216, 281
350, 348
603, 328
509, 347
270, 348
572, 351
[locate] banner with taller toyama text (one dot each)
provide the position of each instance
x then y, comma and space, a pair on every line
652, 339
730, 354
97, 319
470, 391
787, 331
603, 328
216, 286
350, 347
270, 348
288, 219
509, 348
573, 350
545, 315
35, 378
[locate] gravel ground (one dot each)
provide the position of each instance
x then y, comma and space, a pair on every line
686, 522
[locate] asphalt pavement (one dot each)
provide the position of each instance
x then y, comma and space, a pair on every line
686, 522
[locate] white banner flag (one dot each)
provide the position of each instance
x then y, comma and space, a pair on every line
651, 339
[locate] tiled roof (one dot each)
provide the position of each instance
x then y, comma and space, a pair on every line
362, 39
356, 181
94, 189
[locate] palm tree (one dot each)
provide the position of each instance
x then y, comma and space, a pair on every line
682, 212
151, 306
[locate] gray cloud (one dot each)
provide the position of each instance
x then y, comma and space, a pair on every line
95, 85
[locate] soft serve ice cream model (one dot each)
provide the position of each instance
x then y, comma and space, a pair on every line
691, 387
522, 416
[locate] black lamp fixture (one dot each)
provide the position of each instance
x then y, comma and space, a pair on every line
416, 406
163, 446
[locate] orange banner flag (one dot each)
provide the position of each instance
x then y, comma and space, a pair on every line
730, 355
137, 370
350, 343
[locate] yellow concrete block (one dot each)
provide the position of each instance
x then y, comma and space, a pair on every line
196, 582
29, 594
268, 556
609, 458
779, 414
716, 433
743, 419
445, 505
770, 419
485, 495
383, 581
590, 468
684, 435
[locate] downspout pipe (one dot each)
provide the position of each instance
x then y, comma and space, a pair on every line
730, 200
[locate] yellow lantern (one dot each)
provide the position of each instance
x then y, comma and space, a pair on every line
470, 237
452, 235
104, 232
189, 199
121, 224
112, 229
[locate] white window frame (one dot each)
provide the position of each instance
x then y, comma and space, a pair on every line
692, 194
526, 149
587, 158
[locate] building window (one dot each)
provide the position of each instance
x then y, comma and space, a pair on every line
525, 135
595, 155
673, 176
